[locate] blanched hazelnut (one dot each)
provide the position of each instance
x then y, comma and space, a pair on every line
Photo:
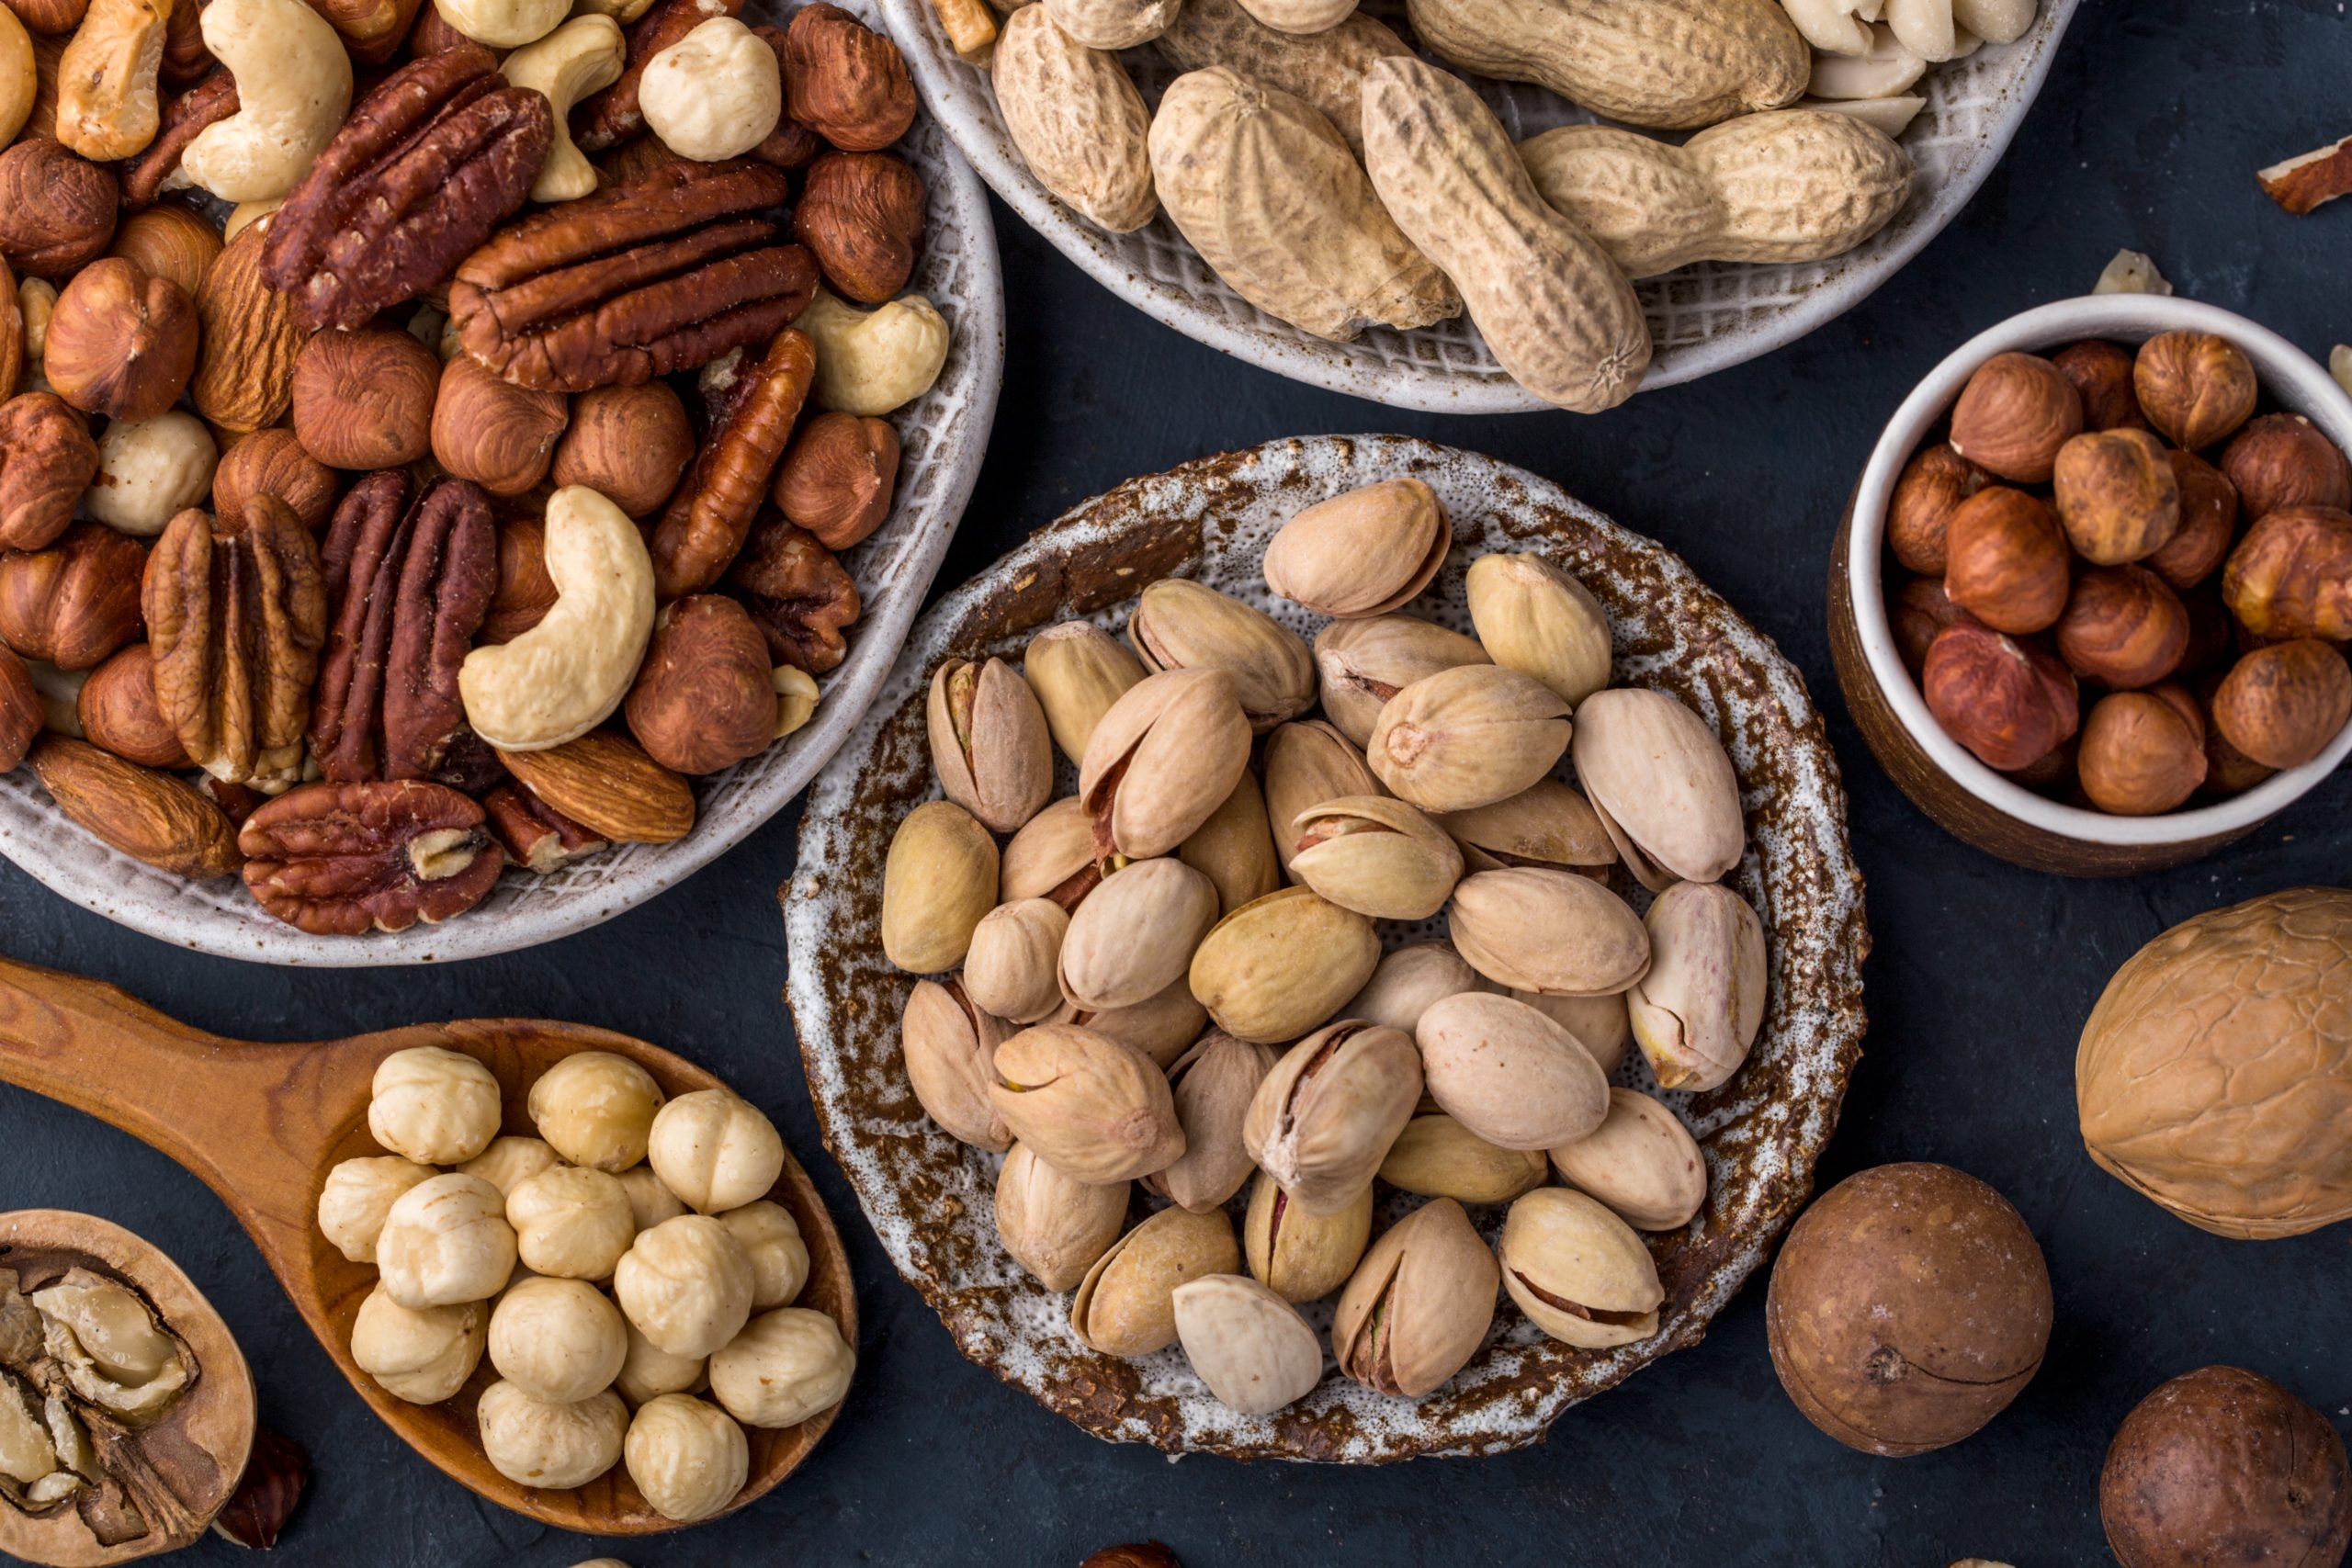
2117, 494
2140, 755
2281, 705
2008, 704
687, 1284
358, 1196
571, 1220
2209, 520
2013, 415
2101, 372
2007, 560
533, 1443
510, 1162
650, 1202
2194, 387
648, 1371
420, 1354
2281, 460
779, 1257
446, 1241
557, 1340
151, 472
784, 1368
596, 1109
1934, 483
715, 1151
437, 1106
714, 94
2123, 627
687, 1457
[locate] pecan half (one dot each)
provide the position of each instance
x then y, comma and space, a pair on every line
666, 273
798, 592
47, 460
236, 615
426, 166
185, 116
337, 859
704, 527
149, 815
537, 836
607, 118
410, 573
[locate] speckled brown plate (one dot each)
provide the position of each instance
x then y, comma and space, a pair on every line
931, 1198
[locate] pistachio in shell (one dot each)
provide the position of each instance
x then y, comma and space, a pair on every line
1279, 965
1375, 855
1535, 618
1094, 1109
1212, 1084
1123, 1307
950, 1049
1055, 1227
1160, 1026
1509, 1074
1601, 1024
1578, 1271
1418, 1304
1467, 737
1053, 857
1161, 760
1695, 1014
1014, 958
1548, 824
1407, 981
938, 880
1298, 1254
1363, 552
1548, 931
1437, 1157
1641, 1161
1234, 850
1250, 1347
1663, 784
988, 742
1322, 1121
1078, 671
1361, 664
1181, 624
1308, 763
1132, 939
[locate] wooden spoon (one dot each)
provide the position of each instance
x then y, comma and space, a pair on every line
263, 1124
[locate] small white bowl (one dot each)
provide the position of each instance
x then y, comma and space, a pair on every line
1941, 776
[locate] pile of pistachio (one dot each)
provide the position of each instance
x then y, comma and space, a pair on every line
1175, 976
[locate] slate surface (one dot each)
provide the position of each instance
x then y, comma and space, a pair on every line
2154, 118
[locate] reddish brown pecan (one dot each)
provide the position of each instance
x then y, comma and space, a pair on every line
607, 118
236, 615
337, 859
798, 592
185, 117
704, 527
47, 460
535, 835
410, 573
666, 273
791, 145
427, 165
74, 602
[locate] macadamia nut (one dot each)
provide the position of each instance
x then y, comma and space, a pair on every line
557, 1340
648, 1371
650, 1202
422, 1355
448, 1241
151, 471
687, 1284
688, 1458
533, 1443
784, 1368
359, 1194
503, 24
715, 1151
571, 1221
510, 1162
595, 1109
779, 1257
437, 1106
717, 93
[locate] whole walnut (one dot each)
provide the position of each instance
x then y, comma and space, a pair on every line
2221, 1466
2215, 1072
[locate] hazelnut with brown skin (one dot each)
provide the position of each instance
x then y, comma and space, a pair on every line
2122, 627
630, 444
20, 710
170, 240
364, 400
2194, 387
837, 477
1920, 610
2007, 560
2282, 704
703, 699
2211, 634
2101, 372
1934, 483
2013, 415
525, 592
118, 710
47, 460
120, 342
862, 215
499, 435
57, 209
2209, 520
2291, 575
2118, 498
273, 462
2140, 755
2228, 771
76, 602
2008, 702
2279, 460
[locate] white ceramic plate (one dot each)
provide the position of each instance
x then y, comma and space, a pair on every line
1704, 318
944, 435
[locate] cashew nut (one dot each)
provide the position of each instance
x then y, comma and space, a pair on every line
622, 11
869, 362
503, 24
1835, 27
2130, 272
717, 93
151, 472
567, 65
795, 693
565, 675
293, 90
107, 106
19, 76
1884, 71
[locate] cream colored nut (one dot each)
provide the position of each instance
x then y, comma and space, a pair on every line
1509, 1074
1235, 848
938, 882
1309, 765
1248, 1345
989, 742
1695, 1014
359, 1194
1547, 824
1278, 965
571, 1221
1122, 1307
1326, 68
293, 90
151, 472
1306, 16
687, 1284
565, 675
1011, 971
1164, 759
1578, 1271
1377, 856
1179, 624
786, 1366
1076, 120
245, 214
715, 1150
1299, 1255
771, 1239
1890, 117
1055, 1227
1115, 24
1925, 28
1052, 856
420, 1354
648, 1371
1883, 71
1212, 1085
950, 1044
1996, 21
1835, 27
871, 362
20, 77
1468, 736
1077, 671
1663, 784
510, 1162
1437, 1157
533, 1443
106, 106
1535, 618
446, 1241
622, 11
1420, 1303
1555, 931
503, 24
650, 1202
595, 1109
796, 699
714, 94
577, 59
1099, 1110
1641, 1161
1363, 552
687, 1457
1135, 936
2130, 272
1160, 1028
2339, 359
437, 1106
106, 1345
1408, 982
557, 1340
1322, 1121
1599, 1023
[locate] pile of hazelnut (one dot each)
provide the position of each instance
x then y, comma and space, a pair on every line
479, 480
2128, 523
613, 1268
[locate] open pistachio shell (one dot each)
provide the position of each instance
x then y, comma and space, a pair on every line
938, 880
1233, 849
1300, 1255
1015, 956
1468, 736
1307, 764
1055, 1227
1134, 936
1361, 664
989, 743
1279, 965
1212, 1084
1078, 671
1418, 1303
1437, 1157
1181, 624
950, 1049
1548, 931
1578, 1271
1407, 981
1641, 1161
1248, 1345
1125, 1305
1161, 760
1535, 618
1094, 1109
1695, 1014
1663, 784
1322, 1121
1548, 824
1509, 1074
1375, 855
1362, 553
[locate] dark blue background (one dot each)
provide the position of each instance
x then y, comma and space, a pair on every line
2147, 135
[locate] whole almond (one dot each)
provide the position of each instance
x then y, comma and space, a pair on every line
149, 815
248, 338
606, 781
